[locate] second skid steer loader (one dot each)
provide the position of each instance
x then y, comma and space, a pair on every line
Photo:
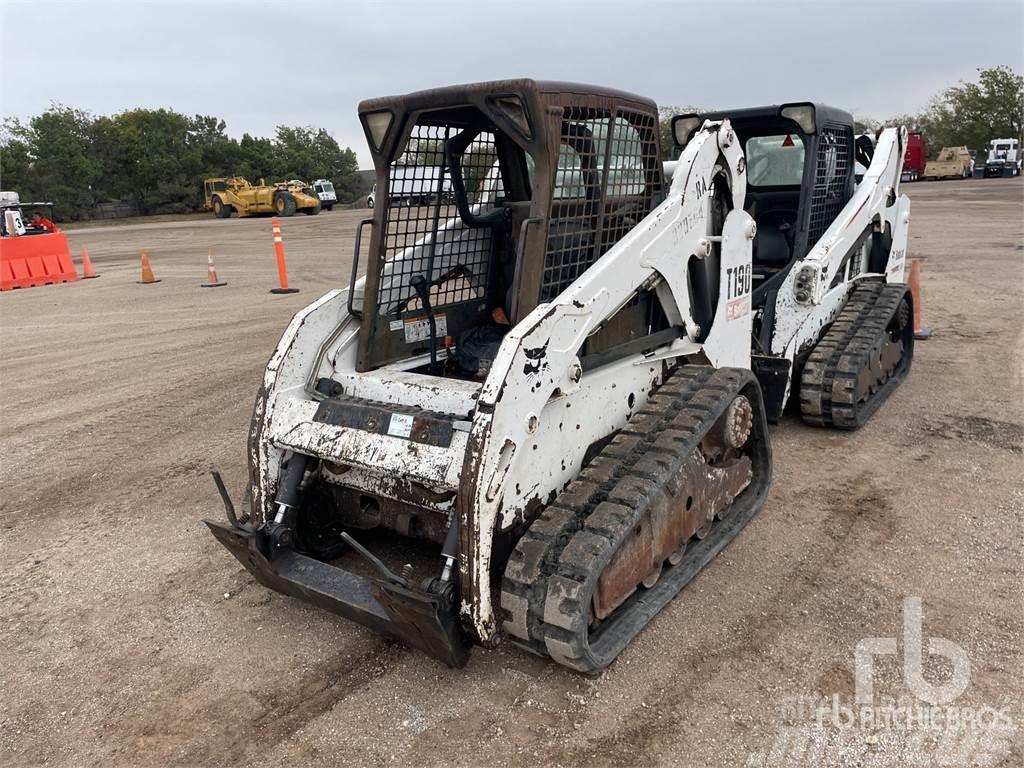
544, 409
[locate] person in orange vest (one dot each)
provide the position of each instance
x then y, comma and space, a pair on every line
41, 222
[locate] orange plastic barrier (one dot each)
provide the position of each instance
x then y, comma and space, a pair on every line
29, 260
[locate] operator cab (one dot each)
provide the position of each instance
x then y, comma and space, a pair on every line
490, 199
324, 190
210, 188
800, 175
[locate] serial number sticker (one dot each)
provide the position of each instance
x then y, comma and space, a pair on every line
396, 325
400, 425
418, 328
737, 308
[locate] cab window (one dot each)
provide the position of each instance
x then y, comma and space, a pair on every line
626, 176
775, 161
569, 183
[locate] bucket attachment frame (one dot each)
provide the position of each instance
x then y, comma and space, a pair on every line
425, 618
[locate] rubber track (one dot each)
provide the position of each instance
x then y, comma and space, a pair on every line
829, 380
553, 571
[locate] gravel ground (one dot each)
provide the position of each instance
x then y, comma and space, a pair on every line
131, 638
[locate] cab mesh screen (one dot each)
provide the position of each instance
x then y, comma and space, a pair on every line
422, 235
605, 183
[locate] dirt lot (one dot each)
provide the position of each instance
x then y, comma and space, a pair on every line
130, 637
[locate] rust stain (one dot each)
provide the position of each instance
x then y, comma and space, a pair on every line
684, 508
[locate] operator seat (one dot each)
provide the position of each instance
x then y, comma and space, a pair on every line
772, 248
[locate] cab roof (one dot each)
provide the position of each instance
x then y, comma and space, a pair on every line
460, 94
823, 114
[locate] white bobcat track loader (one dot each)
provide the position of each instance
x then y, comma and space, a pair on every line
819, 236
550, 380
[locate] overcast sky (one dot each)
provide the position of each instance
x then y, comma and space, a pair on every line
258, 64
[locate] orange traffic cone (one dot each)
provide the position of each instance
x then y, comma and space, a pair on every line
87, 270
211, 273
915, 294
147, 272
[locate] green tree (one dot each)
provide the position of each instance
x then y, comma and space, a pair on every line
156, 158
218, 153
971, 114
16, 162
51, 158
910, 122
345, 176
422, 152
256, 159
665, 115
309, 153
160, 165
866, 125
110, 155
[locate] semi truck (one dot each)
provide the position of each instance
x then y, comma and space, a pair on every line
1003, 158
915, 158
414, 185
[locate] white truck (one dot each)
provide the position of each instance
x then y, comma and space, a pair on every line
414, 185
324, 190
1003, 158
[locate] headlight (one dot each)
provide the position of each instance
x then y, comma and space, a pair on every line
801, 114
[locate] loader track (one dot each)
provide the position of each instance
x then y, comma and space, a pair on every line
552, 577
861, 359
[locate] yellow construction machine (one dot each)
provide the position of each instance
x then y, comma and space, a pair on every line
952, 163
222, 196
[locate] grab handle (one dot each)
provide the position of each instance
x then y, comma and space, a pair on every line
355, 268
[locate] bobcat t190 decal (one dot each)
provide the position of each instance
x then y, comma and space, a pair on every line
737, 282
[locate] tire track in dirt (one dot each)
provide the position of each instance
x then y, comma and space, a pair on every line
515, 716
167, 341
858, 511
123, 432
288, 709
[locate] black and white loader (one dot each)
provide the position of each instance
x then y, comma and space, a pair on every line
550, 393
